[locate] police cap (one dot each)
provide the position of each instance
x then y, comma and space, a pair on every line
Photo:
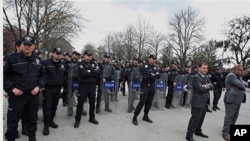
106, 56
152, 56
37, 52
28, 39
174, 62
76, 53
57, 50
87, 52
18, 42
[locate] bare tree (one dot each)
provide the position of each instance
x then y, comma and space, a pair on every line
47, 20
156, 42
141, 35
206, 53
238, 39
129, 43
186, 28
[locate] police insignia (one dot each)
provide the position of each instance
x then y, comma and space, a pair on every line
154, 68
62, 66
146, 66
81, 66
37, 61
93, 65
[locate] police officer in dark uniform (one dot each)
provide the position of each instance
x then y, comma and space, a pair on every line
217, 80
172, 73
149, 74
65, 60
99, 87
87, 72
24, 76
56, 75
125, 73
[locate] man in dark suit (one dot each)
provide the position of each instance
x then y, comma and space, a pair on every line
201, 86
234, 96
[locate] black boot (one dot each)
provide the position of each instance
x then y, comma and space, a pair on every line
134, 120
77, 123
146, 118
46, 129
53, 124
32, 138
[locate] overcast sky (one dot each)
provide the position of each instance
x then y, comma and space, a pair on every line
114, 15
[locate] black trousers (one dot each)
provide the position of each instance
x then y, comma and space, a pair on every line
64, 93
17, 106
217, 95
170, 95
99, 94
51, 97
196, 120
84, 92
146, 98
125, 79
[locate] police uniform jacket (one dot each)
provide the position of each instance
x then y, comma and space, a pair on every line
55, 72
108, 72
135, 72
172, 73
23, 72
149, 74
88, 72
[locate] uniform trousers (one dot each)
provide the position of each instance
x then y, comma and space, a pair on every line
27, 103
85, 91
51, 97
146, 99
217, 95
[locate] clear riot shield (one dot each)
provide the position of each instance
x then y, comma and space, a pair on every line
134, 92
116, 89
160, 91
189, 91
178, 94
108, 89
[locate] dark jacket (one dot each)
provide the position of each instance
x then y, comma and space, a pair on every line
23, 72
88, 72
149, 74
55, 72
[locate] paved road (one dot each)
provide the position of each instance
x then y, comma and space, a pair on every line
168, 124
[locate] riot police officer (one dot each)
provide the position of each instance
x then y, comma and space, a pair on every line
172, 73
107, 75
149, 75
24, 76
134, 77
87, 72
56, 75
72, 81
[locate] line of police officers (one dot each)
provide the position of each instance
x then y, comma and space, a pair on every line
25, 75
